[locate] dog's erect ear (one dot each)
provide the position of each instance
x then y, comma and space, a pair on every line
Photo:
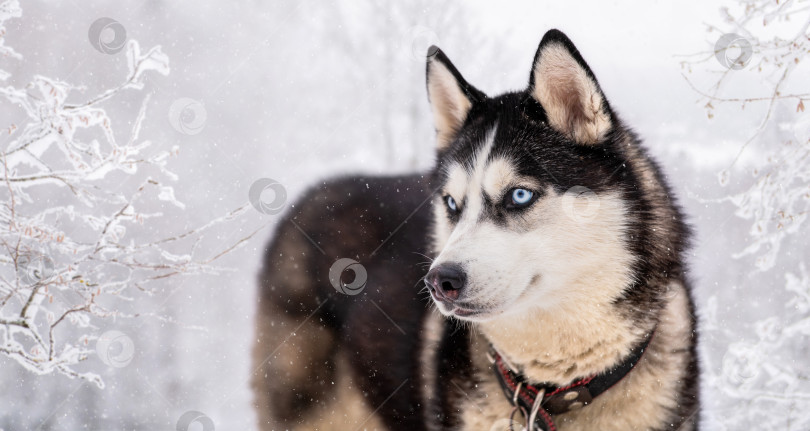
451, 97
565, 86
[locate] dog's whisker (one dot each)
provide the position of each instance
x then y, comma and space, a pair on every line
425, 256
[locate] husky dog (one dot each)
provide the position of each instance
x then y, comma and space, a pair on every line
558, 293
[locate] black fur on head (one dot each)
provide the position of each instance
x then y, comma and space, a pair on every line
524, 133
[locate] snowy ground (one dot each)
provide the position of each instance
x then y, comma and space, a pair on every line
296, 91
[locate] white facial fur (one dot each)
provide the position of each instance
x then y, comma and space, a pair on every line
563, 250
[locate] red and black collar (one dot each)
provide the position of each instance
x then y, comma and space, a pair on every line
556, 400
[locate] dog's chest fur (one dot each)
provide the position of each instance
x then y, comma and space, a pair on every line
646, 397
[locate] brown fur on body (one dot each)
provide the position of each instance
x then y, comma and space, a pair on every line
306, 329
564, 288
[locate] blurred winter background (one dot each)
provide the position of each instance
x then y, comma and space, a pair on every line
127, 172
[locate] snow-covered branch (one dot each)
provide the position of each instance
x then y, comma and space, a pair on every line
765, 36
771, 46
71, 194
770, 41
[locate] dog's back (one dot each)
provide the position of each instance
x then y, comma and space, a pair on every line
317, 349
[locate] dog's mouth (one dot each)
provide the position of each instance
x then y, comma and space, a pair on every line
462, 311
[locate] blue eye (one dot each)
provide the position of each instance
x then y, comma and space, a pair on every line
521, 197
451, 203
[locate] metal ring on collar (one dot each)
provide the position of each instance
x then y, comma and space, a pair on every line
538, 402
517, 394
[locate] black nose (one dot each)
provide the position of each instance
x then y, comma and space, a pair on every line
446, 281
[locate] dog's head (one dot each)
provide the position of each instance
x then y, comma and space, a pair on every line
532, 211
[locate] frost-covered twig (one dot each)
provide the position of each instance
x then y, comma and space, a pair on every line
775, 57
778, 201
66, 217
765, 374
